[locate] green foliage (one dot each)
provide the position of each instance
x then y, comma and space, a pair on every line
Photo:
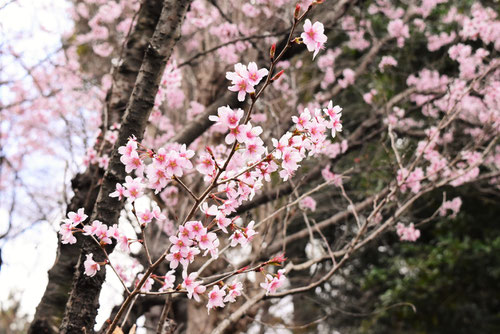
451, 275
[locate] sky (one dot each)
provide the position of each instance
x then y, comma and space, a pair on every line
33, 29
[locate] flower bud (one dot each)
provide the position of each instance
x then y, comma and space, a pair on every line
272, 51
276, 77
209, 150
297, 11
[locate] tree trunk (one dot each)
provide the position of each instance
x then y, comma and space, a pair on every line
50, 310
83, 303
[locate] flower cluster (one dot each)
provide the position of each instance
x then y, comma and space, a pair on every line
235, 173
407, 233
273, 282
69, 226
453, 205
410, 180
215, 296
166, 164
245, 79
310, 135
194, 288
190, 240
97, 229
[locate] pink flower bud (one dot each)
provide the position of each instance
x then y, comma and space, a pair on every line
297, 11
272, 51
278, 75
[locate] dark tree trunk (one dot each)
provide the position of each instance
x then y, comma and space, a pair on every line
50, 311
83, 303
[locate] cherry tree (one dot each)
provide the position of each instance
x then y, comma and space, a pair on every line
228, 155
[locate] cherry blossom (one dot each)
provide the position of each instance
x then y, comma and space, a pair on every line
119, 192
176, 258
78, 217
133, 188
387, 61
197, 290
399, 30
148, 284
215, 298
273, 282
233, 290
91, 267
453, 205
313, 36
227, 117
239, 80
168, 281
308, 203
407, 233
66, 231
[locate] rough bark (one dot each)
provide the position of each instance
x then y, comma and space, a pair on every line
83, 303
50, 310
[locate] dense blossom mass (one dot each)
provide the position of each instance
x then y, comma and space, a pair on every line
238, 171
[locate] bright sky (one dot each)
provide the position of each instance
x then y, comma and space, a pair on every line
33, 29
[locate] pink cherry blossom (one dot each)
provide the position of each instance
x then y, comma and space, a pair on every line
302, 121
206, 164
119, 192
91, 267
215, 298
254, 74
387, 61
133, 188
234, 290
133, 162
77, 218
147, 286
207, 240
195, 229
290, 159
368, 97
222, 221
92, 229
145, 216
308, 203
66, 232
330, 176
209, 210
398, 30
176, 258
313, 36
236, 134
240, 82
198, 290
272, 283
180, 245
453, 205
189, 281
168, 281
237, 238
227, 117
407, 233
349, 78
